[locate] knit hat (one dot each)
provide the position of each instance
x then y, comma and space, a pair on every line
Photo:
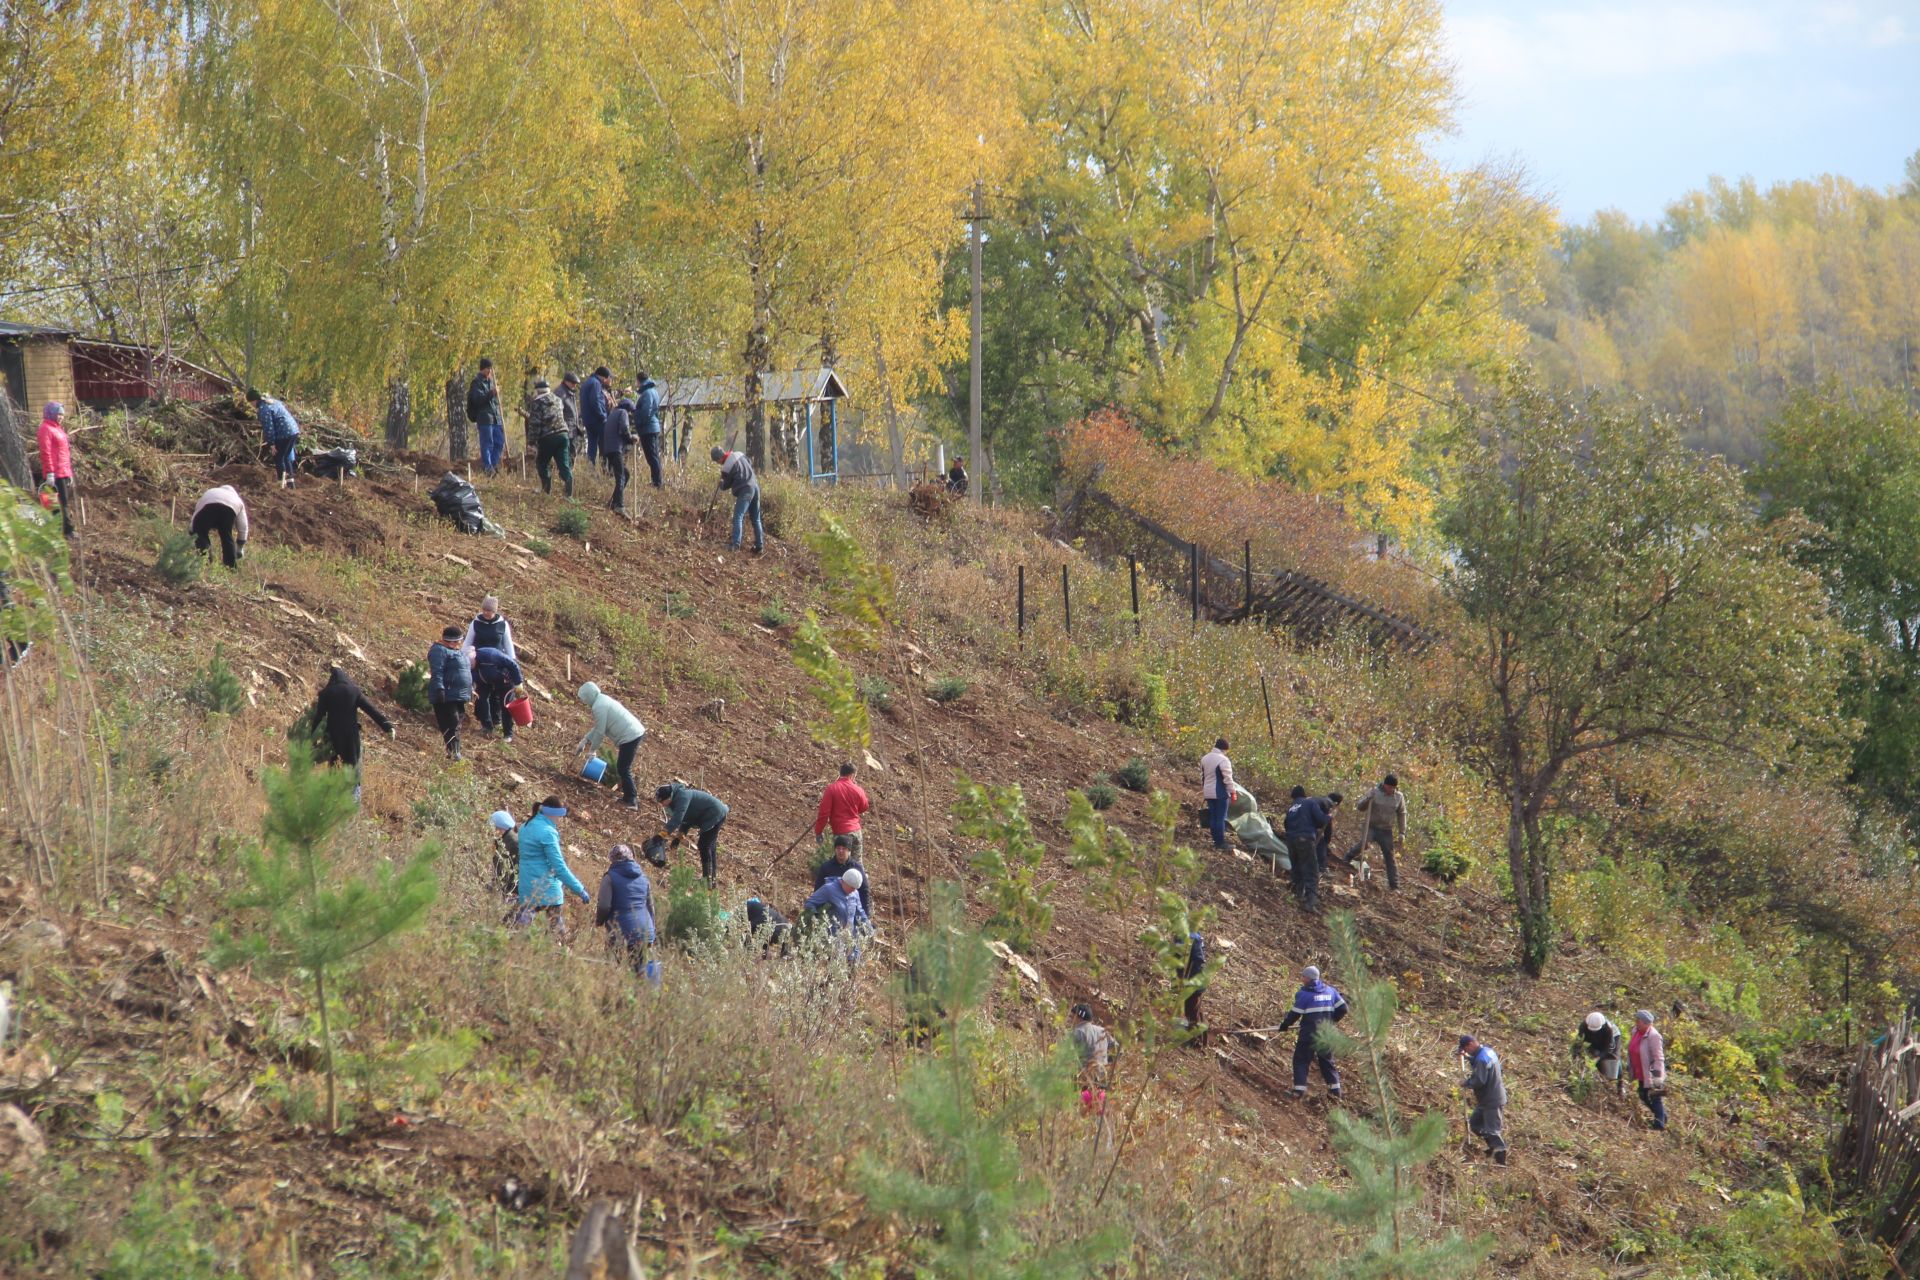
851, 879
663, 793
603, 372
1465, 1041
1310, 973
502, 820
620, 853
1596, 1020
717, 453
843, 842
52, 409
1643, 1014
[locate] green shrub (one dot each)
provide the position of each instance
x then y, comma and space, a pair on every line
1720, 1062
1445, 857
411, 691
877, 692
540, 547
1102, 795
692, 913
774, 613
948, 689
678, 606
572, 520
178, 560
1139, 697
1134, 775
216, 690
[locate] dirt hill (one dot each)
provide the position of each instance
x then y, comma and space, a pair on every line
134, 1055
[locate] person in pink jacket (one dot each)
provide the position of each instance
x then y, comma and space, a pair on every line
1647, 1057
56, 460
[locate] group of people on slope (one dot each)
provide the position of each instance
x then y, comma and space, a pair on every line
530, 869
581, 418
1307, 827
1642, 1057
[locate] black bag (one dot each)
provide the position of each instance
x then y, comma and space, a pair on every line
655, 850
455, 499
334, 463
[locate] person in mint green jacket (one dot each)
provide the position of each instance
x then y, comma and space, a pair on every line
545, 878
613, 723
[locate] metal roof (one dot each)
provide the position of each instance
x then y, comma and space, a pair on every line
12, 329
797, 386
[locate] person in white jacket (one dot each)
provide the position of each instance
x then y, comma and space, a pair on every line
1647, 1059
1216, 788
613, 723
221, 510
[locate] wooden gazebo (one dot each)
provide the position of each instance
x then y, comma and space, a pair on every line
803, 417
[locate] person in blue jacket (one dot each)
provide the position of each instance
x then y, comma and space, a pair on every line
1315, 1005
618, 439
545, 878
450, 687
691, 809
646, 423
838, 903
1193, 971
1488, 1085
280, 431
1305, 825
624, 906
593, 409
495, 675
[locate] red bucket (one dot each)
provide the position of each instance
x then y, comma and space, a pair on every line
521, 709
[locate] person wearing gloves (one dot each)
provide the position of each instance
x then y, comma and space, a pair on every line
1489, 1089
624, 907
838, 902
1315, 1005
691, 809
449, 688
613, 723
490, 630
1647, 1055
221, 510
56, 459
545, 878
506, 854
845, 854
1601, 1040
495, 675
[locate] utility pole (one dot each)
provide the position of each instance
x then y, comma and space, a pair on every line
978, 453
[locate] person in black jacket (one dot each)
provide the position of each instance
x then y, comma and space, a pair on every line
338, 709
831, 868
766, 923
1195, 966
615, 440
483, 411
1601, 1040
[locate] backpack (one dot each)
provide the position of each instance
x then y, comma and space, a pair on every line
477, 399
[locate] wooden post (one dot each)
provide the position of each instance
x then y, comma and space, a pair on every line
173, 505
1020, 606
1193, 580
1066, 600
1133, 584
1272, 740
1247, 551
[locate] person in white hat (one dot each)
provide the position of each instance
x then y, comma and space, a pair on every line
1601, 1040
506, 855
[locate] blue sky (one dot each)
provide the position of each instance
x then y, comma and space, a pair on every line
1629, 104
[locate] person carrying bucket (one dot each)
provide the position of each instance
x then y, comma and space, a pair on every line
545, 878
613, 723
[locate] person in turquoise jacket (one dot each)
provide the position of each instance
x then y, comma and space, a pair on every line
545, 878
613, 723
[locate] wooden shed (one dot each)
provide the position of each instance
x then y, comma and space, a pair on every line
803, 415
39, 363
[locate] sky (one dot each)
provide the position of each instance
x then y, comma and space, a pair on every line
1631, 103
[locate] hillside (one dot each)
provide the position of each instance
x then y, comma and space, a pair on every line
176, 1100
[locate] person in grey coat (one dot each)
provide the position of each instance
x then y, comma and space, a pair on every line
1489, 1091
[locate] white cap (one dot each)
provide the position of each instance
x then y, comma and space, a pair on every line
1596, 1020
851, 879
502, 820
1310, 974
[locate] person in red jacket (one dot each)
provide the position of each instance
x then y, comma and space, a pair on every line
56, 460
841, 805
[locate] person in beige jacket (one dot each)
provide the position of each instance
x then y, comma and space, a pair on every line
1383, 814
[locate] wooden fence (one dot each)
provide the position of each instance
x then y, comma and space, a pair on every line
1225, 592
1879, 1145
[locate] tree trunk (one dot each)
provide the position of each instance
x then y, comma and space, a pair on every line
399, 413
759, 352
13, 447
1532, 898
456, 420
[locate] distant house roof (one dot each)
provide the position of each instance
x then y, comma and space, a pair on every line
13, 329
798, 386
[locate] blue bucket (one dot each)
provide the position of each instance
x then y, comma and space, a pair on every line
653, 972
595, 770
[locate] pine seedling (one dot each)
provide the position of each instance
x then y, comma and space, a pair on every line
215, 689
1383, 1157
968, 1192
1008, 860
846, 726
300, 912
410, 691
